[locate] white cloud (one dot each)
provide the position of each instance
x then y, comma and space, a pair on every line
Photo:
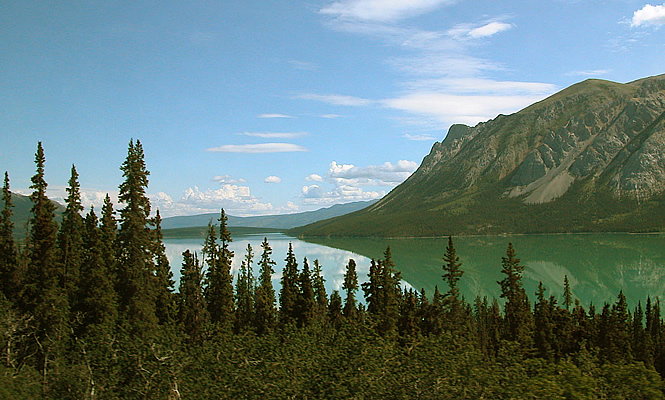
273, 179
649, 15
227, 179
316, 195
337, 99
235, 199
275, 116
588, 72
421, 137
274, 135
261, 148
331, 116
314, 178
489, 29
351, 183
381, 10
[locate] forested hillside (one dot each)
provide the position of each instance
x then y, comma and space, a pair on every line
88, 310
586, 159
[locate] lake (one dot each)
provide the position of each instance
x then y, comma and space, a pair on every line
598, 266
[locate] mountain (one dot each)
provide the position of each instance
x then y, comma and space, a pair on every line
21, 213
286, 221
588, 158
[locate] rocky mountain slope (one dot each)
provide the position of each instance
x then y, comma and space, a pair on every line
589, 158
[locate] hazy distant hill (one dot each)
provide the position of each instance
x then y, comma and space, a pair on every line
286, 221
21, 213
589, 158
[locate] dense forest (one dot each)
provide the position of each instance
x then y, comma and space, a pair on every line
89, 310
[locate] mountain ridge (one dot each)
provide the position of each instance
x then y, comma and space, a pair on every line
597, 146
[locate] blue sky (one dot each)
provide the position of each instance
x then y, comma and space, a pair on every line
268, 107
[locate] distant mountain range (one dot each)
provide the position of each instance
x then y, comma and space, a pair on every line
589, 158
283, 222
22, 211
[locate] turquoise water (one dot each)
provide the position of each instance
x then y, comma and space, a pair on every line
598, 266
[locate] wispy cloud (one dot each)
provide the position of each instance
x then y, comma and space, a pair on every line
589, 72
381, 10
422, 137
490, 29
274, 116
443, 82
337, 99
274, 135
649, 15
331, 116
261, 148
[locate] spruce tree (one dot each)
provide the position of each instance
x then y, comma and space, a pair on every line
288, 295
164, 284
519, 319
335, 309
192, 312
9, 278
245, 288
265, 293
136, 269
70, 240
43, 296
350, 285
320, 295
452, 274
567, 294
306, 304
96, 298
219, 280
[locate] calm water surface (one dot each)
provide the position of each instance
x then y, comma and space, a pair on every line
598, 266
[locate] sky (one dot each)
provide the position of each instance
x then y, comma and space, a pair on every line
282, 106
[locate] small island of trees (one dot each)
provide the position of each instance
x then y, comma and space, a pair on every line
89, 310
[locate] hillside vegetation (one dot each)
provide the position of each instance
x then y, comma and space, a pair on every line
590, 158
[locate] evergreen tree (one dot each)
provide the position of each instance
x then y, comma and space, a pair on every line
219, 280
70, 240
136, 270
265, 293
372, 288
306, 303
320, 295
390, 296
43, 296
518, 315
165, 306
9, 277
192, 312
108, 235
96, 299
350, 285
567, 294
335, 309
452, 274
245, 288
288, 294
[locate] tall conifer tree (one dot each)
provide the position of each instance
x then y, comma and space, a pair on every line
320, 295
350, 285
265, 293
219, 280
164, 283
306, 304
192, 312
245, 288
288, 295
9, 279
136, 269
70, 240
518, 315
452, 274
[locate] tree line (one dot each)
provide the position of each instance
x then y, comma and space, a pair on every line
89, 310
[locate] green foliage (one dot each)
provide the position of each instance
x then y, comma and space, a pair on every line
402, 346
10, 284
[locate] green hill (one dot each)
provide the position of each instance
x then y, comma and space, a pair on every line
21, 213
589, 158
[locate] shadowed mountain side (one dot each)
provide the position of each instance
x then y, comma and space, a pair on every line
589, 158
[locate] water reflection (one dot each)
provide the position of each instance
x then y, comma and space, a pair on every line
598, 266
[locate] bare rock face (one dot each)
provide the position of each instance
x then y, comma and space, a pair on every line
613, 133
